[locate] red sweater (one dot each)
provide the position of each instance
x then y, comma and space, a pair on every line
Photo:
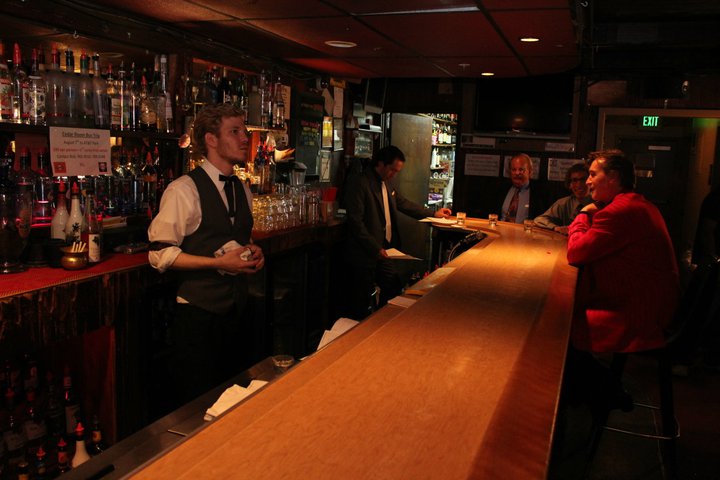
628, 281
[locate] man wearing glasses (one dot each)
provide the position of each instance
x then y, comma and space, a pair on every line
561, 214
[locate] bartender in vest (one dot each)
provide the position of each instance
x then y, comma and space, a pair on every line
203, 230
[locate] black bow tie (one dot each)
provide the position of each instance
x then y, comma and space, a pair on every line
229, 178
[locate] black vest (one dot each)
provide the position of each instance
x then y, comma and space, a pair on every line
208, 289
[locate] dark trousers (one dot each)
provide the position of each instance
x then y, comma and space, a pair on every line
361, 285
208, 350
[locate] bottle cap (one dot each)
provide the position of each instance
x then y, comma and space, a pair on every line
79, 429
75, 188
61, 187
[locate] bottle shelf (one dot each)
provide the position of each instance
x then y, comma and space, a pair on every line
444, 145
439, 120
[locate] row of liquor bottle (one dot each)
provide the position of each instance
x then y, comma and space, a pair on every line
443, 134
41, 423
262, 97
133, 188
41, 93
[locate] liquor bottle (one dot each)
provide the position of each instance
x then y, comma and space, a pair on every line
41, 60
148, 109
73, 226
23, 470
70, 401
61, 216
42, 211
71, 89
12, 433
40, 466
5, 88
240, 98
279, 106
254, 114
133, 109
55, 100
165, 103
25, 179
34, 426
81, 455
63, 461
115, 101
149, 179
265, 100
97, 446
92, 228
100, 95
86, 92
54, 412
20, 85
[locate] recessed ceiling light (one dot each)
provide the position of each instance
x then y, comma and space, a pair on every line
529, 39
487, 74
341, 44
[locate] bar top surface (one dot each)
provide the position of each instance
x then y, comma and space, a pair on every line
462, 384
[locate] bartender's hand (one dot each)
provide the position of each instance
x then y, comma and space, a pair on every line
256, 253
238, 260
442, 213
382, 253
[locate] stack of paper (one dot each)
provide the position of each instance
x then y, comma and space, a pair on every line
341, 326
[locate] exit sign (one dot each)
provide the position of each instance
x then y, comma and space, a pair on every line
650, 121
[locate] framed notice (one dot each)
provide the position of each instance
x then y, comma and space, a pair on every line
557, 167
482, 165
80, 151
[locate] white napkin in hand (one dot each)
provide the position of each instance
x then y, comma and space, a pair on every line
228, 247
230, 397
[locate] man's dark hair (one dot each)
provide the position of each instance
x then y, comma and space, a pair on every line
387, 155
615, 160
577, 168
208, 120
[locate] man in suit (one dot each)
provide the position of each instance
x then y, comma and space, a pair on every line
522, 199
628, 284
372, 204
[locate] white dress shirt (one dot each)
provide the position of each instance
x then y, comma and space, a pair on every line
180, 215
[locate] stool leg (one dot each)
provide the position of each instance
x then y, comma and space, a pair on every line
667, 414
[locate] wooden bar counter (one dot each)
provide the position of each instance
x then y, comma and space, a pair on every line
462, 384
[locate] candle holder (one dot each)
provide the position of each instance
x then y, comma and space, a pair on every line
73, 260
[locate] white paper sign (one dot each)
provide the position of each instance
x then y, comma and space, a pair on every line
557, 167
80, 151
482, 165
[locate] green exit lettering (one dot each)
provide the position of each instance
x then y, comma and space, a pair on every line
650, 121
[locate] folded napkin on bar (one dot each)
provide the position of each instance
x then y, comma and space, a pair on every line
341, 326
230, 397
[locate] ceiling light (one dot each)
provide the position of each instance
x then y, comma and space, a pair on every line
529, 39
341, 44
487, 74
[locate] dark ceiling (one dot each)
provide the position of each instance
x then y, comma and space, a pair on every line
395, 38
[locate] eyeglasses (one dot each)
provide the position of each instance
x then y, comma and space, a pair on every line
578, 180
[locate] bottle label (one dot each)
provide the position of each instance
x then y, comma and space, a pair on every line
34, 430
94, 247
5, 98
14, 440
116, 116
71, 418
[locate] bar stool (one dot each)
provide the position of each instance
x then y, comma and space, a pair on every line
688, 316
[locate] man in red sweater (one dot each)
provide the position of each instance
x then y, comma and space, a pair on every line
628, 283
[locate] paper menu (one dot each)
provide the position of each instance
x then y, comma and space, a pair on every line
341, 326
